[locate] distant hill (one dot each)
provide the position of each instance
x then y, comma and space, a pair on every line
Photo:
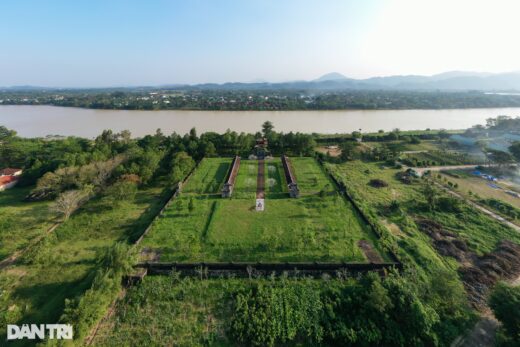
333, 76
447, 81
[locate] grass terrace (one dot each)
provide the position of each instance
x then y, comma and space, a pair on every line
319, 226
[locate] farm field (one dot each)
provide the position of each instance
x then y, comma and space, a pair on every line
21, 222
318, 226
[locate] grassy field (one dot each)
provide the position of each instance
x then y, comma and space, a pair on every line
276, 184
476, 185
209, 177
424, 145
21, 222
491, 195
317, 226
161, 312
62, 266
245, 185
440, 158
479, 231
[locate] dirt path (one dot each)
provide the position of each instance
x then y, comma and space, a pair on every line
480, 208
421, 170
260, 180
370, 253
482, 334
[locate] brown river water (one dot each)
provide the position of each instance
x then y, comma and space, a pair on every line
33, 121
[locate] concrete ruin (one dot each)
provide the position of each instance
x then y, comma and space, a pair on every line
227, 190
294, 191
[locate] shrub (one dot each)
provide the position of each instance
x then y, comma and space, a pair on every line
377, 183
505, 303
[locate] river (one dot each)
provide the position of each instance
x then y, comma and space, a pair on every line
35, 121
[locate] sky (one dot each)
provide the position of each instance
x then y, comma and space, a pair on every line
98, 43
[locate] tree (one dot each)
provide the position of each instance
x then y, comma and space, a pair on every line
505, 303
181, 165
6, 134
499, 157
122, 191
515, 150
267, 128
118, 259
430, 194
348, 149
69, 201
191, 205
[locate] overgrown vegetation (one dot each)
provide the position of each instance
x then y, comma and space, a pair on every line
294, 311
320, 225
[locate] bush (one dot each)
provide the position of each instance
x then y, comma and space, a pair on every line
505, 303
377, 183
122, 191
265, 315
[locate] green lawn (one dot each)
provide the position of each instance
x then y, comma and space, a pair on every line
311, 228
245, 185
209, 177
309, 176
21, 222
275, 185
63, 265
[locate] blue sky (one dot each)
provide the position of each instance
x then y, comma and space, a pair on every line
82, 43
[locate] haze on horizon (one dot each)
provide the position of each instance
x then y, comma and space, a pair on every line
95, 43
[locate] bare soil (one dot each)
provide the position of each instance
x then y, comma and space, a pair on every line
370, 253
479, 274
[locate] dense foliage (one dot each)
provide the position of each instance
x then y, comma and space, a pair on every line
256, 99
505, 302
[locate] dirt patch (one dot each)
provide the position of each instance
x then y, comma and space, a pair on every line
501, 264
16, 272
333, 151
394, 228
482, 334
445, 242
478, 274
371, 254
149, 254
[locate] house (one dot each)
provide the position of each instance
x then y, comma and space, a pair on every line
7, 182
9, 177
10, 172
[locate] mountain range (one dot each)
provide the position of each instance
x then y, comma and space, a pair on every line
447, 81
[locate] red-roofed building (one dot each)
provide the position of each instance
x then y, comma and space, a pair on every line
7, 182
10, 172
